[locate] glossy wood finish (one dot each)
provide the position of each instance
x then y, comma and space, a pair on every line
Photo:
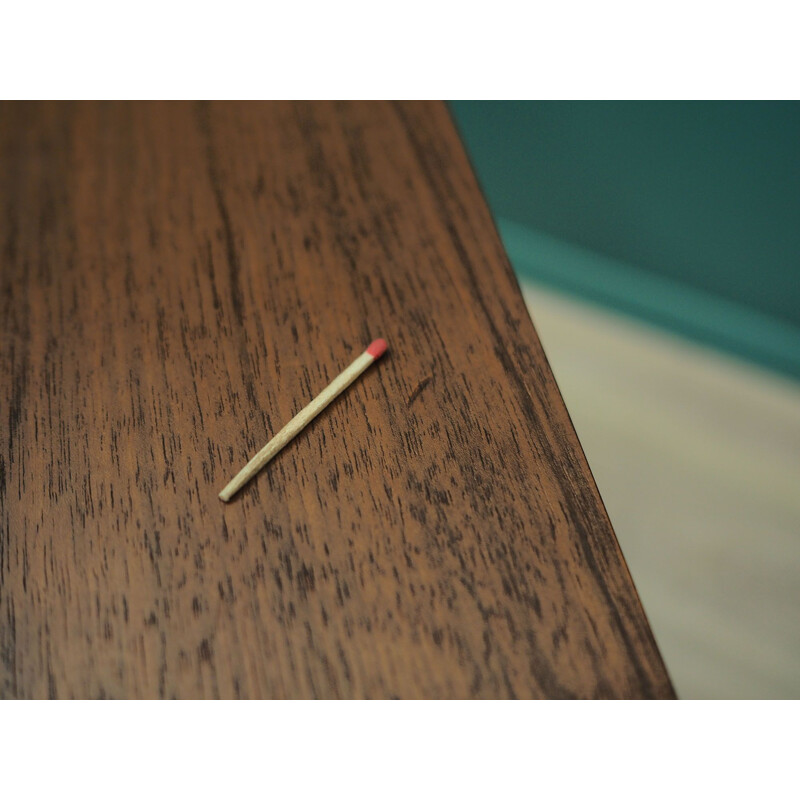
177, 281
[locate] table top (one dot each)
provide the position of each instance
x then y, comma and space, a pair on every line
177, 281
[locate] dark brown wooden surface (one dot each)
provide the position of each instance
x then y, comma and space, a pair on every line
177, 281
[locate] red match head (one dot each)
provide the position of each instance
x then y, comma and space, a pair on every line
377, 348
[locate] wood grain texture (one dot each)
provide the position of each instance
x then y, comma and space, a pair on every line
177, 281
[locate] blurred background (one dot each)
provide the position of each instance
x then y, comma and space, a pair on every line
658, 248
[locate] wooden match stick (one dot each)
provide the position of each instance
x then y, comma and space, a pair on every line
302, 418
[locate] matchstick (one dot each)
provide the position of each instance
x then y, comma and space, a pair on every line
302, 418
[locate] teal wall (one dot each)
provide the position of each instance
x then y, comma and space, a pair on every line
686, 214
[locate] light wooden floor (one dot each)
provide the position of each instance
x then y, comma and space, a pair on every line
697, 457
